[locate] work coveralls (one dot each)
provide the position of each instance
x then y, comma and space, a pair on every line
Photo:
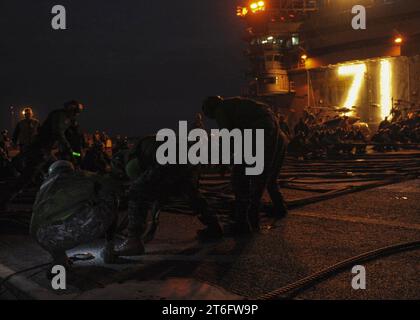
157, 183
72, 209
242, 113
25, 133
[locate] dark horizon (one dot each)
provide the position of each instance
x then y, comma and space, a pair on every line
137, 67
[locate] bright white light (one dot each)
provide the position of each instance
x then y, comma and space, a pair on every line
358, 71
386, 88
398, 40
257, 6
254, 5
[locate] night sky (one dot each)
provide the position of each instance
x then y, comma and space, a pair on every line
138, 65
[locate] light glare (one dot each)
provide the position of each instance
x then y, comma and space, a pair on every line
257, 6
386, 88
398, 40
358, 71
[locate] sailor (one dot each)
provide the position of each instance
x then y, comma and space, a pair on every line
301, 126
76, 139
38, 153
53, 130
242, 113
283, 125
6, 167
121, 143
384, 124
5, 142
74, 208
152, 184
96, 158
25, 130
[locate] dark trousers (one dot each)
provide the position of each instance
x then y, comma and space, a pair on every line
249, 190
34, 161
156, 185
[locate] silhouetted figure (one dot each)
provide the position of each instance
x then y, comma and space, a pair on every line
242, 113
37, 155
26, 130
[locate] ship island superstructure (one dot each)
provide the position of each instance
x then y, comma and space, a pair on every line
306, 54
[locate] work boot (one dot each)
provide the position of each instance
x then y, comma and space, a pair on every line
241, 225
133, 246
59, 259
254, 220
277, 211
280, 211
108, 254
239, 229
211, 233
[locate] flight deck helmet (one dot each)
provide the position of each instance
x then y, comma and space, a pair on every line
59, 167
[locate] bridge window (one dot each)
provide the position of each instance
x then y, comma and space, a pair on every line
295, 40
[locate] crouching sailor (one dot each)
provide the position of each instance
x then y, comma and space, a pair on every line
73, 208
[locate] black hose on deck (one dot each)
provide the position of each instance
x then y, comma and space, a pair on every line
317, 277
